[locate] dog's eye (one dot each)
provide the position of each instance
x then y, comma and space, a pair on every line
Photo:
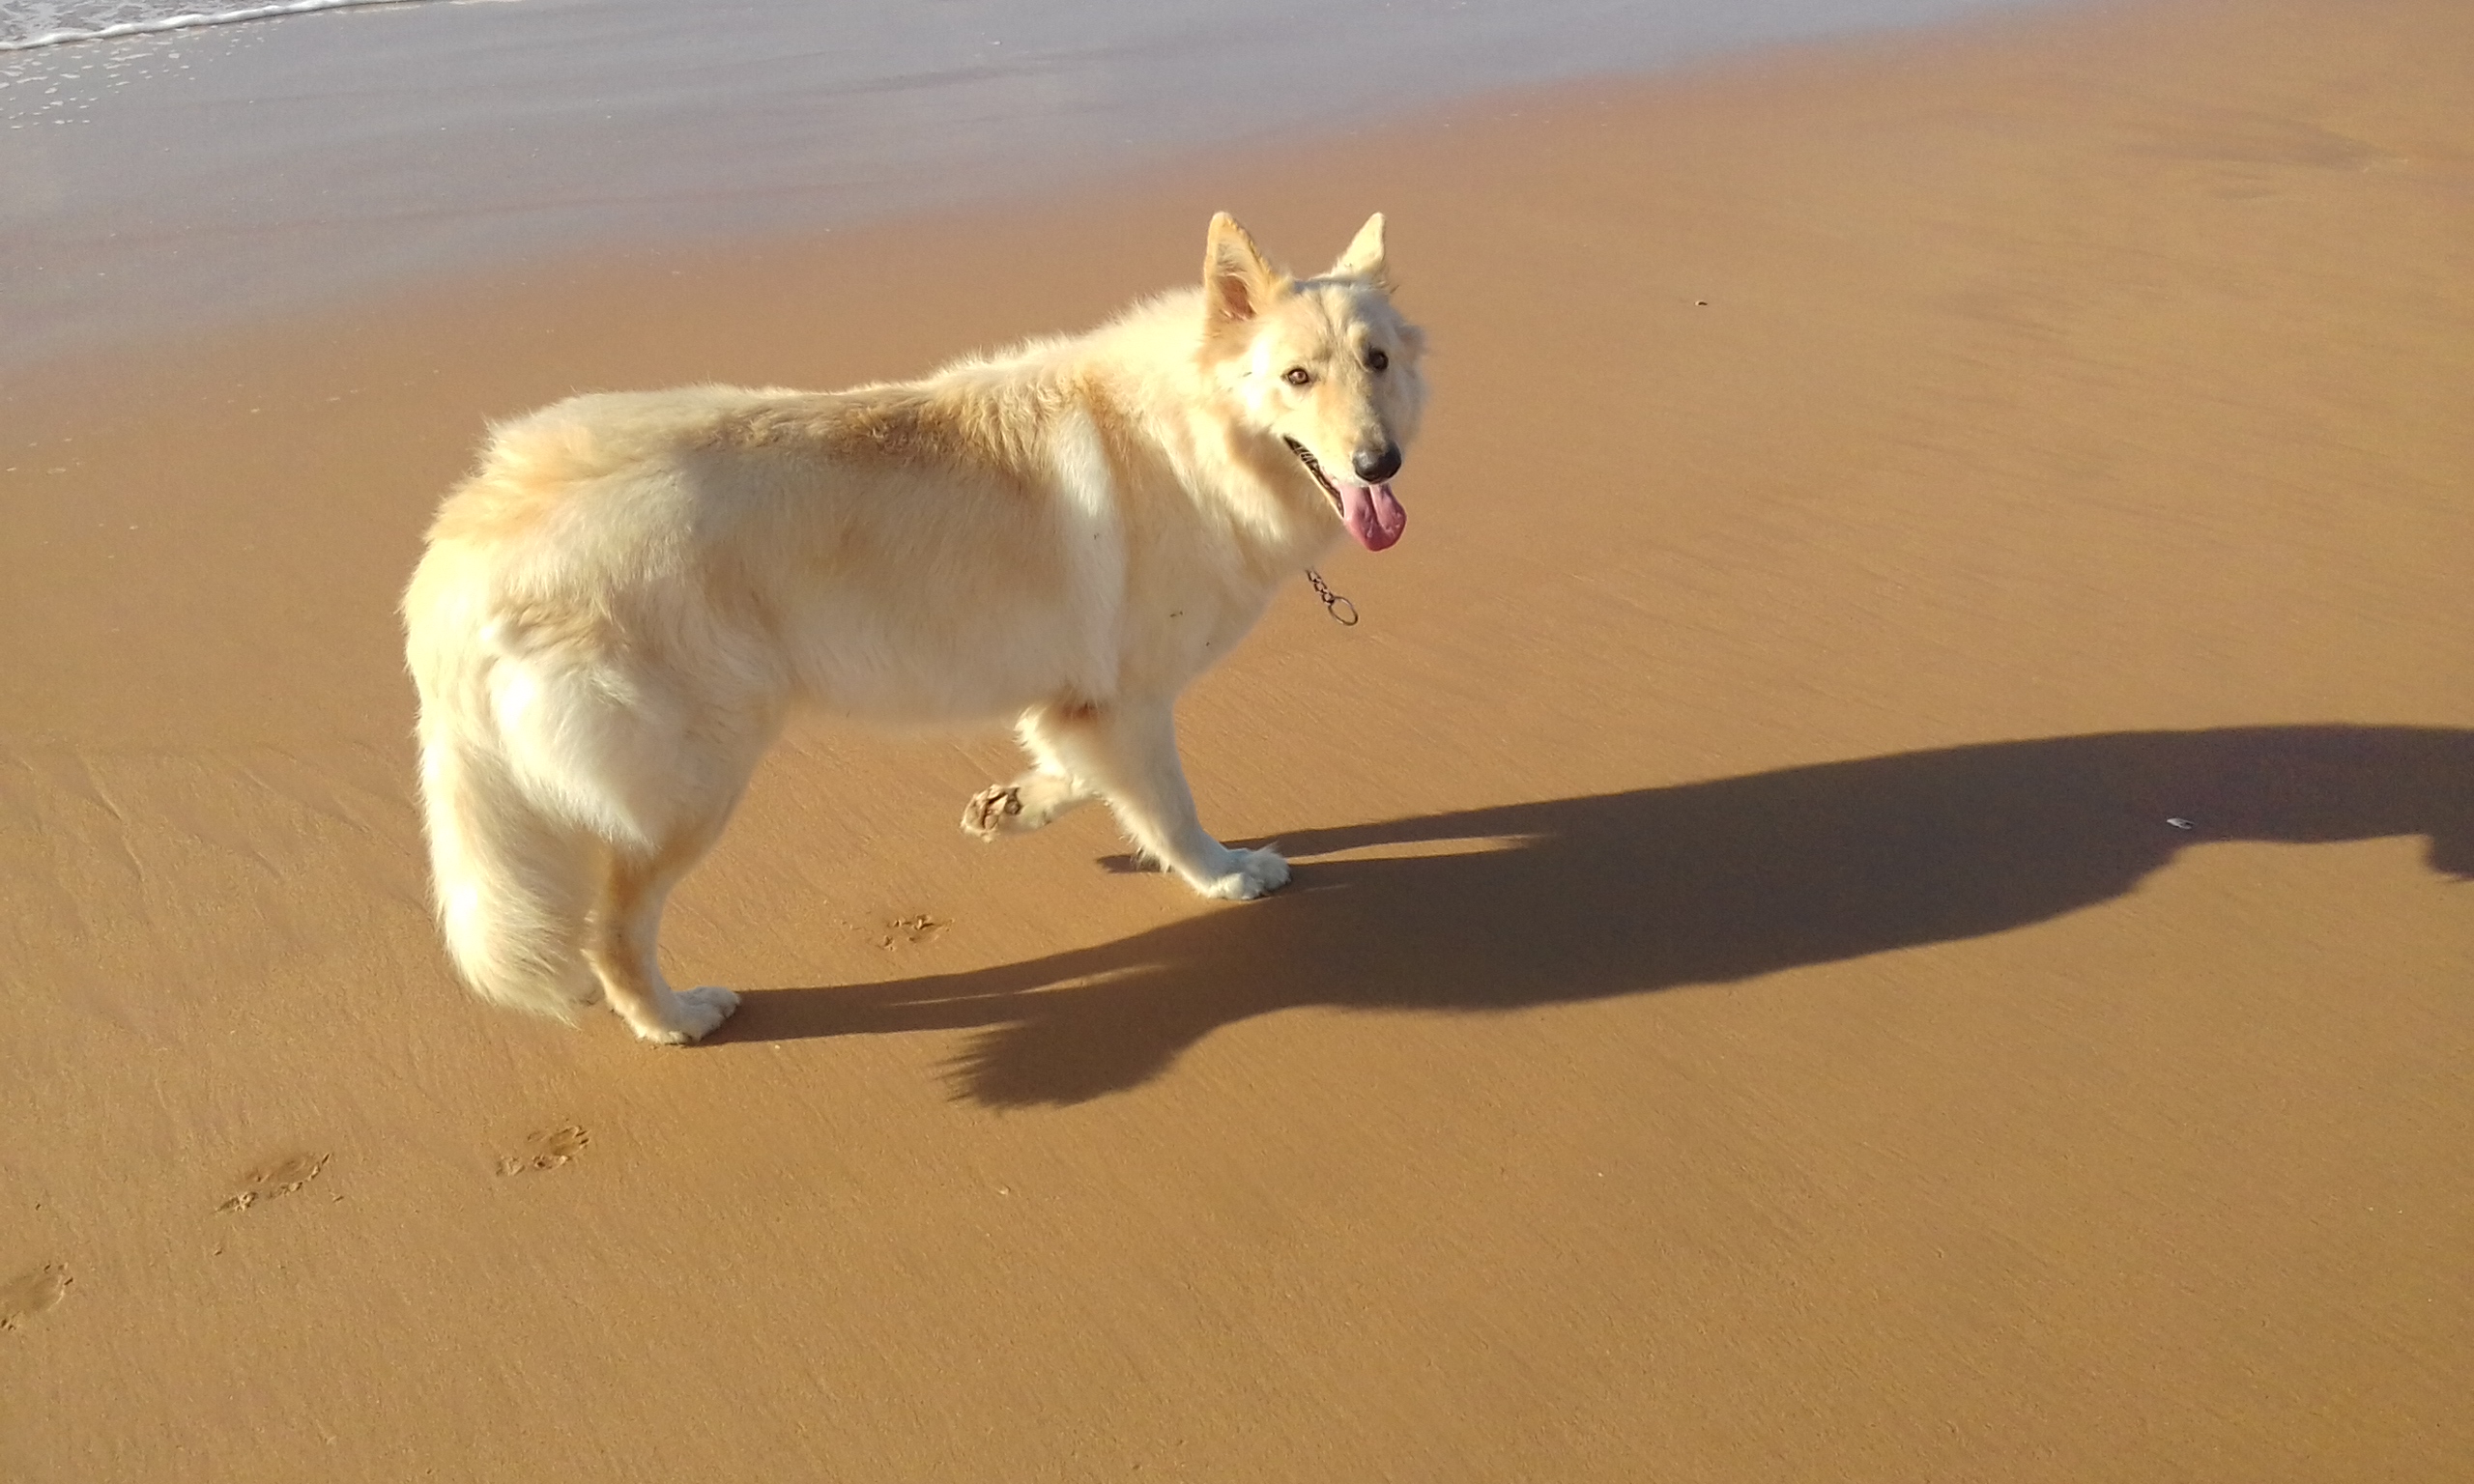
1377, 359
1297, 375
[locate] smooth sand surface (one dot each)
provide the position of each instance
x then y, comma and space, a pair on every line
1743, 1013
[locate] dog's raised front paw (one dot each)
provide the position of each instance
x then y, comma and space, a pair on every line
992, 810
1248, 874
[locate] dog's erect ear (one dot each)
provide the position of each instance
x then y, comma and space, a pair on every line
1236, 282
1365, 257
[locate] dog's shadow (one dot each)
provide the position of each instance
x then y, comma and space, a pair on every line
1703, 883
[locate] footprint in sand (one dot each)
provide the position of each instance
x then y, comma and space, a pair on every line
912, 931
547, 1149
281, 1177
29, 1294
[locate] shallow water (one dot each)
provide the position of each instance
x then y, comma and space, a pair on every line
173, 179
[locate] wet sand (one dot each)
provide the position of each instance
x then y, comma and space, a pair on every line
1747, 1010
207, 178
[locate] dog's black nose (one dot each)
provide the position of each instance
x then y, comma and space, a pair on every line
1375, 468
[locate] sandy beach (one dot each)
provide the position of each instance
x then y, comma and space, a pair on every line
1880, 894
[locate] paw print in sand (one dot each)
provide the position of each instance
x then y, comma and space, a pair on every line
547, 1149
29, 1294
277, 1177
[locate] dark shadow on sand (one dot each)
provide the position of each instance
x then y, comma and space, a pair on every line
1697, 884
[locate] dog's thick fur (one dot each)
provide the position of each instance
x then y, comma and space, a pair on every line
616, 611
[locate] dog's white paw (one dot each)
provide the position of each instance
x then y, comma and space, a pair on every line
996, 810
1248, 874
1022, 806
696, 1013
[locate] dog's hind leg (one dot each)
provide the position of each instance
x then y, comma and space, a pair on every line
1049, 789
651, 769
678, 802
621, 945
1127, 751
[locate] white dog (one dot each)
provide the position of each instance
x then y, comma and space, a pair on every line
616, 611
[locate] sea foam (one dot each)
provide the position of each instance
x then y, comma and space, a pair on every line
25, 24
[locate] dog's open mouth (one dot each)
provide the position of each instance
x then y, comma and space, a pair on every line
1368, 510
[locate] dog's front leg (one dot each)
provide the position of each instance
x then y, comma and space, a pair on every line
1027, 802
1127, 751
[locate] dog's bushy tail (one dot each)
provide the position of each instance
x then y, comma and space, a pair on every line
513, 880
513, 885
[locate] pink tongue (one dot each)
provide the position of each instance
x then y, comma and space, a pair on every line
1373, 515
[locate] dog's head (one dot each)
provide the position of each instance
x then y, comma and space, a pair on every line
1327, 365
